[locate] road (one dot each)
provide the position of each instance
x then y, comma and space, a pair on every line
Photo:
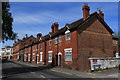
11, 70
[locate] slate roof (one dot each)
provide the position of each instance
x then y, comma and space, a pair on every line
77, 24
73, 26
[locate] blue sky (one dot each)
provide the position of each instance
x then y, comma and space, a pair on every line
34, 17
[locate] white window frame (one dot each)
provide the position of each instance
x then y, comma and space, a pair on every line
40, 46
37, 58
18, 56
56, 40
28, 57
67, 51
60, 39
25, 57
68, 34
33, 59
50, 58
41, 55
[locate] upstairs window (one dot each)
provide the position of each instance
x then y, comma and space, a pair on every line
40, 46
8, 48
67, 35
60, 39
36, 47
56, 40
50, 42
33, 48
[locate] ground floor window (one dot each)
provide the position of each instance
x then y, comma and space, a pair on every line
37, 58
33, 58
25, 57
68, 54
41, 53
28, 57
50, 57
18, 56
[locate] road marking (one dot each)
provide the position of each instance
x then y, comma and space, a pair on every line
113, 75
62, 72
42, 76
32, 72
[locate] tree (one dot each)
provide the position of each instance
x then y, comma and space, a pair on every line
7, 30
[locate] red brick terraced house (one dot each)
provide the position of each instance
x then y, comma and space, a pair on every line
72, 45
19, 47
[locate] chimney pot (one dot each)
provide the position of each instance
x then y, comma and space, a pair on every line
39, 35
101, 14
54, 27
86, 10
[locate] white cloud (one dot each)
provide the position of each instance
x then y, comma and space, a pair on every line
41, 18
45, 17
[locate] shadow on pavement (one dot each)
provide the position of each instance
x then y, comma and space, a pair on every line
22, 69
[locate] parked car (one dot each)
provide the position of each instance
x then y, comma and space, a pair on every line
4, 59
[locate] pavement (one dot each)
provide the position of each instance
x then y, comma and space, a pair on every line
12, 70
27, 63
111, 73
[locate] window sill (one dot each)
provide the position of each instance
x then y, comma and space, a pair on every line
67, 61
49, 61
67, 39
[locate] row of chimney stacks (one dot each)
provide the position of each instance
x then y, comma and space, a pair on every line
86, 12
54, 27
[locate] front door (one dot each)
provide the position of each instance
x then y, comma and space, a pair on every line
59, 60
36, 59
56, 63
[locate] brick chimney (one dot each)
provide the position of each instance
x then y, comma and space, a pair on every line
39, 35
86, 10
101, 14
54, 27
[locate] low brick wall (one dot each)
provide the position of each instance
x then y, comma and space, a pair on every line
103, 63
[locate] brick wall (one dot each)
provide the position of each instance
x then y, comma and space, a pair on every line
94, 41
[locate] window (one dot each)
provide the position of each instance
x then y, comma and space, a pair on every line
25, 50
28, 57
7, 53
36, 47
50, 42
29, 49
33, 57
41, 56
8, 48
68, 54
67, 35
56, 40
40, 46
60, 39
50, 57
